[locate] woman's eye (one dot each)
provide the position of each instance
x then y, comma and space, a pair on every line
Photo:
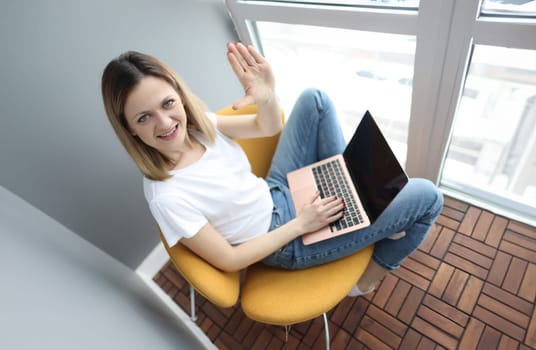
169, 103
143, 118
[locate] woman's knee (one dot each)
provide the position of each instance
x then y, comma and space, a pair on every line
430, 194
316, 98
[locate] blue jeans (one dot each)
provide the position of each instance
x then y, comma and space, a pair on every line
313, 133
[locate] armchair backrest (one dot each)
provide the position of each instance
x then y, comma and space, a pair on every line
260, 150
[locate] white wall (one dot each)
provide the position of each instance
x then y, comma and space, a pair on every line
60, 292
58, 151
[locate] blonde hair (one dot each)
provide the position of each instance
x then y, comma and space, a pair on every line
119, 78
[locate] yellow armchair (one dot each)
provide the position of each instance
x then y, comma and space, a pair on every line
270, 295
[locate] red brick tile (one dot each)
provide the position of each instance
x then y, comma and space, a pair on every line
482, 226
419, 268
498, 268
475, 245
469, 221
496, 231
455, 287
355, 316
291, 343
515, 275
448, 222
434, 333
442, 243
243, 328
341, 311
507, 343
229, 341
470, 295
371, 341
425, 259
315, 330
381, 332
412, 277
503, 310
518, 251
426, 344
489, 339
472, 255
472, 334
466, 265
530, 338
440, 322
397, 297
340, 340
387, 320
446, 310
525, 229
411, 340
527, 289
384, 291
441, 279
261, 342
499, 323
509, 299
455, 204
452, 213
410, 306
521, 240
430, 239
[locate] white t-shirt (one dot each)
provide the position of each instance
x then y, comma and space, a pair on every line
219, 188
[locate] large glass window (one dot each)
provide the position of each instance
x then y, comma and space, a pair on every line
372, 3
463, 70
359, 70
493, 145
509, 7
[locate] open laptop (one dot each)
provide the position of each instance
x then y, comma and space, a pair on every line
367, 175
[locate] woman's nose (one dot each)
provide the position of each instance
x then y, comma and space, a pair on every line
163, 120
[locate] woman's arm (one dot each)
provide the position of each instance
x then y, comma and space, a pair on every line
257, 79
212, 247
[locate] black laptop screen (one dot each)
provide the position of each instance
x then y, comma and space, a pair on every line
374, 167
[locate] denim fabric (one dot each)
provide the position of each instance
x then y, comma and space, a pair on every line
313, 133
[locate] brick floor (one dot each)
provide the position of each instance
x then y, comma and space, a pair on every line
471, 285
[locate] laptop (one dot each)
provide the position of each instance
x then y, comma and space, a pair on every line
367, 175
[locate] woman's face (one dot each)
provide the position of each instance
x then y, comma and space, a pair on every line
155, 113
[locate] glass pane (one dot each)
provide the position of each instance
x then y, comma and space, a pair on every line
412, 4
359, 70
492, 153
509, 7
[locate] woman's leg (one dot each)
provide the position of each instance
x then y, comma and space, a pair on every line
311, 133
413, 211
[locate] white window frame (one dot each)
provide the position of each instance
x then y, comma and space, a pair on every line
446, 33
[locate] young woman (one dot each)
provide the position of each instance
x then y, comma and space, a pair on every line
198, 182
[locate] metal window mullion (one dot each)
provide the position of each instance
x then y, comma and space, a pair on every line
436, 97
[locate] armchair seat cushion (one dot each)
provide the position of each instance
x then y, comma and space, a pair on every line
282, 297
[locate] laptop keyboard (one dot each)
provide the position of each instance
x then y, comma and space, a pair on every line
330, 181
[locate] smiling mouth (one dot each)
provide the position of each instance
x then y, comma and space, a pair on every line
169, 133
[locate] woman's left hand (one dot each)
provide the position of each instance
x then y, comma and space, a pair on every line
254, 73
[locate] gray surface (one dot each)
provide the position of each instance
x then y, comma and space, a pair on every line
58, 151
60, 292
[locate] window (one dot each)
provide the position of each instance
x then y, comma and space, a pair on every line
359, 70
441, 77
509, 7
494, 133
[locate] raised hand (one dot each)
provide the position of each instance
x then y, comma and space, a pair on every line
253, 72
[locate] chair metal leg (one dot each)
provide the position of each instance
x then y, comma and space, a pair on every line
326, 327
193, 315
